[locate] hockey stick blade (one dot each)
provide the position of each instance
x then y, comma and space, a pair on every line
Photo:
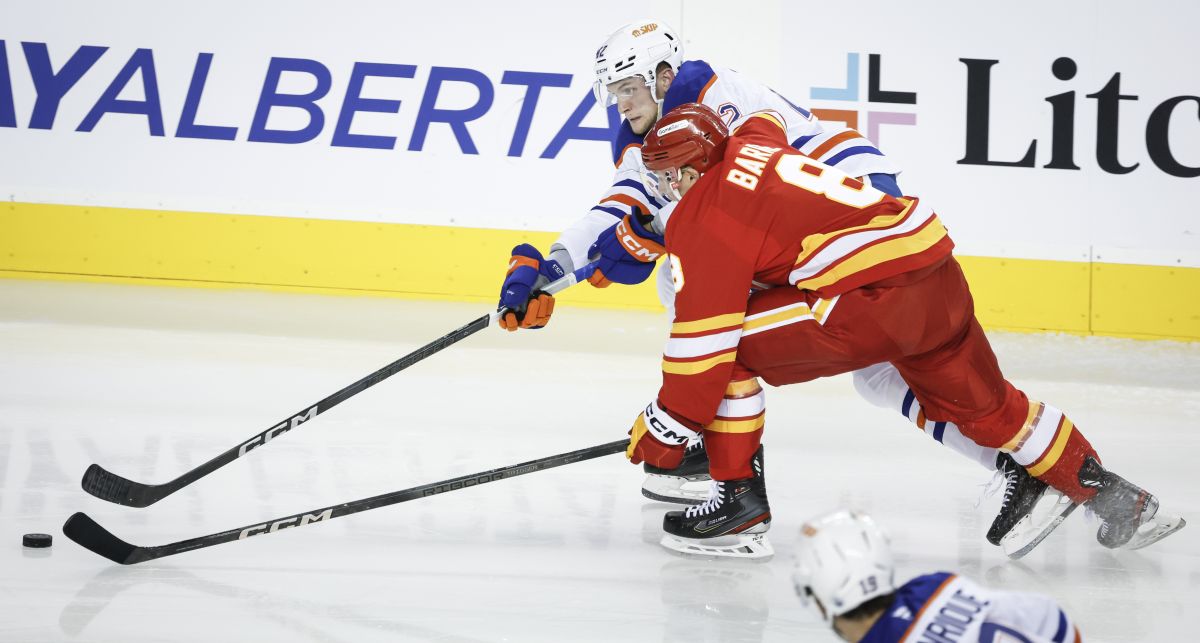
87, 533
109, 486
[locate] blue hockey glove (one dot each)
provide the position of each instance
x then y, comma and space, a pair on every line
627, 251
522, 305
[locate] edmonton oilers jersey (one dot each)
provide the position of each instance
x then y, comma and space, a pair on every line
947, 608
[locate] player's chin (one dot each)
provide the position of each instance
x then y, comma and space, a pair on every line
639, 124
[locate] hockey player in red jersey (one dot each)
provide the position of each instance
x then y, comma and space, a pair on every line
844, 570
641, 71
843, 276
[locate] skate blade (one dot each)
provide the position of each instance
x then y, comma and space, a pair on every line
1029, 532
753, 546
1154, 530
673, 489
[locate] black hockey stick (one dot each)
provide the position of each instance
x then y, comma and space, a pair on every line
90, 535
109, 486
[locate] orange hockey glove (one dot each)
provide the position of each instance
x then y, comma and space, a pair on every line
523, 305
658, 438
537, 314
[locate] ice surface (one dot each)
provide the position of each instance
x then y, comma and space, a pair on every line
150, 382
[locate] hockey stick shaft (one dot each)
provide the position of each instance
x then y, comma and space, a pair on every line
114, 488
85, 531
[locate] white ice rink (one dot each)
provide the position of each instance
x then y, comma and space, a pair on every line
151, 382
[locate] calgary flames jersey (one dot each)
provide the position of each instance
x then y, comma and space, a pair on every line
770, 216
733, 96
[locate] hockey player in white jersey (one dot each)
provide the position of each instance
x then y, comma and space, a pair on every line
844, 570
641, 69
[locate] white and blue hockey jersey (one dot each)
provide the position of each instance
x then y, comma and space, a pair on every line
733, 96
947, 608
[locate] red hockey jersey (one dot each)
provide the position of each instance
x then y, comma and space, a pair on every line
770, 216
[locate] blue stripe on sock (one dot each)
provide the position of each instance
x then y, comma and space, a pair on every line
1061, 634
908, 400
938, 430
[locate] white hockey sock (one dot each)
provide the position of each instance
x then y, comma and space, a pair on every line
882, 385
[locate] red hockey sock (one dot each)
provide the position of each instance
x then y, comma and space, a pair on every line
1059, 466
729, 454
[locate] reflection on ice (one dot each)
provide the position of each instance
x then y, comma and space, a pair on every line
114, 375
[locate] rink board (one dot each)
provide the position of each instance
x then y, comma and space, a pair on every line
443, 262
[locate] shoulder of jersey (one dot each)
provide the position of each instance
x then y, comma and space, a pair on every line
910, 598
693, 79
767, 123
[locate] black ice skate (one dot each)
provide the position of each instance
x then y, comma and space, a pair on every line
732, 522
1129, 515
1030, 511
685, 484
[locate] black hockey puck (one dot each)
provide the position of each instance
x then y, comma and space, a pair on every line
37, 541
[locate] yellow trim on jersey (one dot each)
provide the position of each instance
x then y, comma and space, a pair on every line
769, 115
742, 387
822, 309
693, 368
1035, 413
708, 323
737, 426
636, 433
1056, 451
894, 249
813, 242
801, 311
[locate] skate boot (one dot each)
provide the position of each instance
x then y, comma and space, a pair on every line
686, 484
1030, 511
732, 522
1129, 515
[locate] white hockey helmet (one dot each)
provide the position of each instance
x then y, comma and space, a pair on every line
843, 560
636, 49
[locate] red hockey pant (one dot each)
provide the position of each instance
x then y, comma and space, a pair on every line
927, 329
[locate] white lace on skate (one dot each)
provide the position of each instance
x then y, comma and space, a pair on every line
999, 481
751, 544
716, 498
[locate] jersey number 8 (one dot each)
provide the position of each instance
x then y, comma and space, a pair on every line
819, 178
676, 272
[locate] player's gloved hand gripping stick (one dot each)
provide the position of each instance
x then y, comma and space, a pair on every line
111, 487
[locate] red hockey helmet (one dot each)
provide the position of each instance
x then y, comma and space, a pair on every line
691, 134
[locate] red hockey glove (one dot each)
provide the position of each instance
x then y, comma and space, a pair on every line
658, 438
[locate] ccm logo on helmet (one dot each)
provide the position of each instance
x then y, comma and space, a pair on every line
645, 29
